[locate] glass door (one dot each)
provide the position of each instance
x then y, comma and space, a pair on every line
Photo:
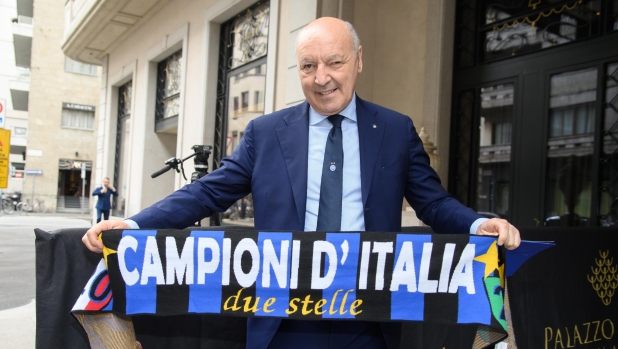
494, 156
570, 148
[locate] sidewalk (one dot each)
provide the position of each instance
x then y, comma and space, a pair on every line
71, 215
18, 327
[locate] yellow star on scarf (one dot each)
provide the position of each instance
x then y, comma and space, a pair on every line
490, 258
106, 251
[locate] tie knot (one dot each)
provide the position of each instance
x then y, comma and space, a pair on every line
336, 120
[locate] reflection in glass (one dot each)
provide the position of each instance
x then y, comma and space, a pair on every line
168, 86
570, 148
241, 110
250, 35
515, 27
240, 92
121, 166
496, 120
609, 158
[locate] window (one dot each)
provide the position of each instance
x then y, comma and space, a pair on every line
570, 150
17, 169
575, 120
526, 27
242, 67
563, 127
168, 86
245, 100
256, 100
79, 119
502, 133
20, 131
494, 151
72, 66
123, 135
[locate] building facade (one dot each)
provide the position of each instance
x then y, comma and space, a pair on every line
180, 73
62, 110
15, 41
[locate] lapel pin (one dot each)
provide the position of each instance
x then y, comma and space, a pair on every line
374, 126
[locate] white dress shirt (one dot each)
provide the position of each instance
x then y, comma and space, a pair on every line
352, 218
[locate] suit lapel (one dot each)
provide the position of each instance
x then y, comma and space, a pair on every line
293, 134
371, 129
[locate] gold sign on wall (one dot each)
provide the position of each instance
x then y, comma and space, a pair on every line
604, 278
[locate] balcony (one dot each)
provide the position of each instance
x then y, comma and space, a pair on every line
93, 28
20, 89
23, 74
22, 40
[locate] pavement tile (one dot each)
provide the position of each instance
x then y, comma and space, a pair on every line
18, 327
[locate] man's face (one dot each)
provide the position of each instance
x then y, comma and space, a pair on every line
106, 182
328, 65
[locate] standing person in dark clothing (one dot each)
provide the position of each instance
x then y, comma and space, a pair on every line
104, 193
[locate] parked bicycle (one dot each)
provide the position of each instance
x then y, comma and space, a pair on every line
10, 202
26, 206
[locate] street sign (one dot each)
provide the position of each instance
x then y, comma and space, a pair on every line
5, 150
5, 143
2, 112
83, 170
4, 173
34, 172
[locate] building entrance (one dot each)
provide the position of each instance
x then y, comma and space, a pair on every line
535, 111
70, 185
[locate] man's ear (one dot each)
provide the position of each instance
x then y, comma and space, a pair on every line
360, 59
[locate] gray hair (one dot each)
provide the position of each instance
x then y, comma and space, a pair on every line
355, 39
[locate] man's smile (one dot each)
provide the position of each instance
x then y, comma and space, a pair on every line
324, 93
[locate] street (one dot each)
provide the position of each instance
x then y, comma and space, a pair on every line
17, 272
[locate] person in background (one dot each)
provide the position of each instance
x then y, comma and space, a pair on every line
104, 192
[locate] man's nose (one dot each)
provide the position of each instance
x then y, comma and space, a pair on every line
322, 76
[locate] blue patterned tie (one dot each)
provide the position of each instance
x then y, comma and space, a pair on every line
329, 214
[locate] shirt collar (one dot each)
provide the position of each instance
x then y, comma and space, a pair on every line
349, 112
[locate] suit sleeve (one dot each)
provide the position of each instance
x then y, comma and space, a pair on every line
97, 191
432, 203
212, 193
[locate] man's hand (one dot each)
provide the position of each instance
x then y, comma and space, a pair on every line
112, 187
91, 238
507, 234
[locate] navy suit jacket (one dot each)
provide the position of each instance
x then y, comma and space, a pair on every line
271, 163
103, 203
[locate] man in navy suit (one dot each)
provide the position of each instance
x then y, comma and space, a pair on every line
104, 192
279, 160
